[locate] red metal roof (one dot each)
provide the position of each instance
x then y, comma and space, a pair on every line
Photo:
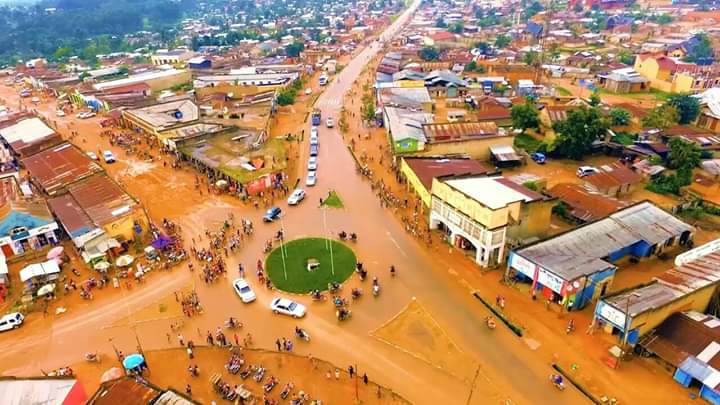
456, 131
56, 168
426, 169
102, 199
585, 205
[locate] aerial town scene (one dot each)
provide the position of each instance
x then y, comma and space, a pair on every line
359, 202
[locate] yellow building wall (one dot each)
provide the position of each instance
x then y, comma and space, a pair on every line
490, 219
647, 68
123, 228
682, 83
535, 220
478, 149
415, 183
696, 301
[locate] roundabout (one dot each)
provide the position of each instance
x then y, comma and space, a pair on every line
303, 265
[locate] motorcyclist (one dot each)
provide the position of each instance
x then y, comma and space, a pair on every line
392, 270
316, 294
356, 292
557, 379
490, 322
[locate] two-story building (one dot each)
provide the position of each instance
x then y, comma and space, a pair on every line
484, 213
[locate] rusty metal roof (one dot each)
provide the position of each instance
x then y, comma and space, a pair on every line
56, 168
426, 169
71, 216
459, 131
102, 199
686, 334
585, 205
124, 391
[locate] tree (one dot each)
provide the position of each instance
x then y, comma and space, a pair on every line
533, 9
531, 58
687, 106
626, 57
661, 117
428, 53
702, 53
501, 41
293, 50
440, 23
664, 19
577, 133
620, 116
683, 154
483, 47
457, 27
525, 116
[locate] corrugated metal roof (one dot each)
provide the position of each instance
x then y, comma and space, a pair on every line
580, 251
56, 168
426, 169
35, 391
73, 218
585, 205
102, 199
454, 131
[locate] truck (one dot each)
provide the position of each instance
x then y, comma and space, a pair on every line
316, 117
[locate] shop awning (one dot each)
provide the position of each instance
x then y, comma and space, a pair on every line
39, 269
97, 247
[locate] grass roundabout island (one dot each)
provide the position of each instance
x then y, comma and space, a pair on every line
309, 264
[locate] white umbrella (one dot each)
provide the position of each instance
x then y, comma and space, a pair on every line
102, 266
46, 289
124, 260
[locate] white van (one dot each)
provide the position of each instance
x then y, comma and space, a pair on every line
11, 321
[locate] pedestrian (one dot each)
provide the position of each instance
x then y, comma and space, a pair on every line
188, 390
168, 337
190, 352
278, 344
181, 339
337, 373
365, 378
328, 375
237, 340
351, 371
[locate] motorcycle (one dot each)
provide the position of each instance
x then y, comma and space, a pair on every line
259, 374
343, 314
570, 327
268, 386
376, 290
317, 296
557, 381
92, 357
353, 237
490, 322
233, 324
334, 287
286, 391
356, 293
342, 235
339, 302
302, 334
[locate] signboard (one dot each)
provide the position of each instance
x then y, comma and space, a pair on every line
698, 252
612, 315
522, 265
550, 281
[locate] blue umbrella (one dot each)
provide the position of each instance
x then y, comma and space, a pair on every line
133, 361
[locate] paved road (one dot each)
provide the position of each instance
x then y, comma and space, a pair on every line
508, 369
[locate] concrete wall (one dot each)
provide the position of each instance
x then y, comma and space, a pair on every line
696, 301
414, 183
490, 219
534, 220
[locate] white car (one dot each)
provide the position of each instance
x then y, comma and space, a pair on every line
313, 139
60, 113
312, 163
308, 91
287, 307
35, 100
311, 178
329, 122
15, 319
243, 290
297, 196
584, 171
108, 156
92, 155
313, 131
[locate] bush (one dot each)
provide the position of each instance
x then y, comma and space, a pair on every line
528, 143
671, 183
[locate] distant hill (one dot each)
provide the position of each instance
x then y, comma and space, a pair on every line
32, 31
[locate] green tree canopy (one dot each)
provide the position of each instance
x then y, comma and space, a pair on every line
429, 53
576, 134
683, 154
501, 41
661, 117
687, 106
595, 100
525, 116
702, 52
457, 27
293, 50
620, 116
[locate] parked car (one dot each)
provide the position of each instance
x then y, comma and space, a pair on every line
287, 307
329, 122
308, 91
272, 214
313, 139
313, 150
311, 178
584, 171
108, 156
60, 113
312, 163
538, 158
297, 196
92, 155
25, 93
243, 290
313, 131
11, 321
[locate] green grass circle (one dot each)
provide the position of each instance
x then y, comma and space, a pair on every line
297, 252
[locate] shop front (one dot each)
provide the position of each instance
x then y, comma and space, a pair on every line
21, 239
